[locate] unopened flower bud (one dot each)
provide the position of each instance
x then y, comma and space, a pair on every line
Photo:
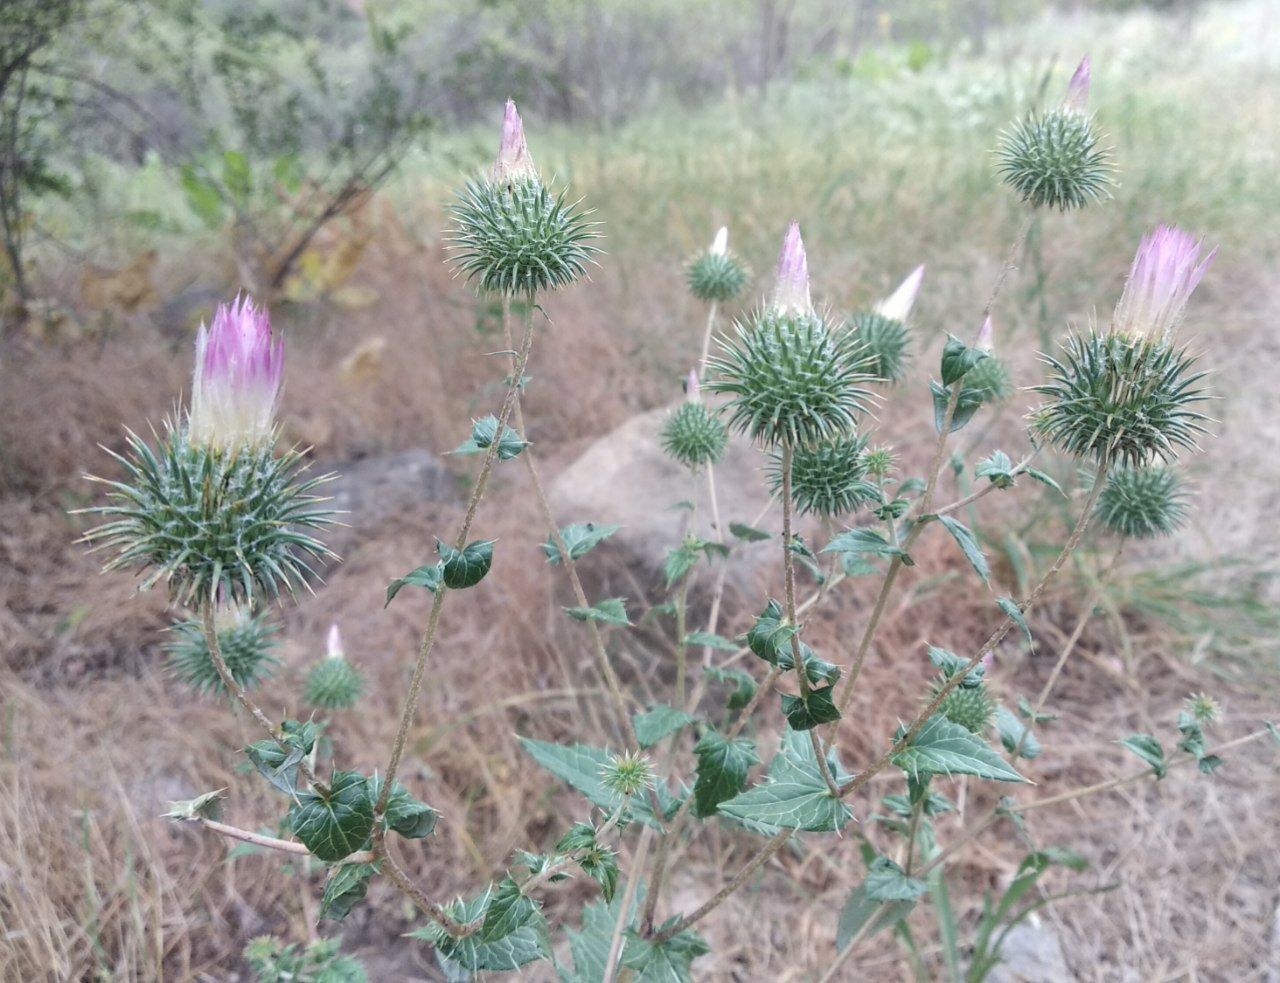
692, 391
1077, 97
791, 292
333, 646
986, 336
236, 383
897, 306
514, 162
1165, 272
720, 245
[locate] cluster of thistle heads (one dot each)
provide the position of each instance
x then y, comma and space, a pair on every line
222, 516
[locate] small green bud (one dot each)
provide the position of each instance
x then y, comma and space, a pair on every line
1055, 159
334, 683
990, 379
1142, 502
969, 706
827, 476
880, 461
717, 275
246, 642
693, 435
1203, 708
628, 774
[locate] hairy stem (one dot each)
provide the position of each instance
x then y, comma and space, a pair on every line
706, 337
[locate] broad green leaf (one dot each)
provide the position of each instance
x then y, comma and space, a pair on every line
662, 721
950, 664
590, 946
807, 711
770, 635
597, 861
744, 686
794, 796
1010, 607
465, 568
886, 881
967, 405
707, 639
1149, 750
582, 767
747, 534
338, 824
485, 430
610, 612
1014, 735
405, 815
512, 934
957, 359
427, 577
863, 542
665, 962
279, 765
861, 909
579, 539
946, 748
723, 766
819, 671
345, 888
969, 546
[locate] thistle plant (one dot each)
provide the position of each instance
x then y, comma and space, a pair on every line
717, 276
247, 642
752, 746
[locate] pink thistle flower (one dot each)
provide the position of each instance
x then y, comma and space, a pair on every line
986, 335
334, 647
897, 306
236, 384
1165, 272
514, 162
720, 245
1077, 96
692, 390
791, 292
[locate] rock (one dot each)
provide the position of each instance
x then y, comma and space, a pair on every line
625, 479
1031, 954
373, 489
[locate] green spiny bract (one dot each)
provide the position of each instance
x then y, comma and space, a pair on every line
246, 643
628, 774
990, 378
334, 684
969, 706
1120, 399
792, 379
827, 476
520, 238
1054, 159
716, 277
217, 524
882, 345
694, 436
1142, 502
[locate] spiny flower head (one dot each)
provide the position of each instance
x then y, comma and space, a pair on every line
1077, 96
1142, 502
334, 683
1203, 708
628, 774
246, 641
791, 286
693, 435
236, 384
828, 477
717, 275
514, 163
897, 306
1166, 270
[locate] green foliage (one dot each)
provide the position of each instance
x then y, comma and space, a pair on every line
1142, 503
512, 933
483, 432
694, 436
1055, 159
861, 910
429, 577
1120, 400
612, 611
946, 748
583, 768
466, 567
969, 546
404, 814
883, 345
718, 277
958, 359
723, 766
968, 403
345, 888
1019, 740
520, 239
864, 542
886, 881
660, 722
1149, 750
333, 684
827, 476
660, 962
320, 962
277, 761
231, 525
789, 379
809, 710
247, 645
579, 539
337, 821
794, 796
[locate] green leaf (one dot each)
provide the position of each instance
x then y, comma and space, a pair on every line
345, 888
579, 539
681, 560
610, 612
428, 577
969, 546
967, 405
707, 639
483, 432
1149, 750
748, 534
861, 909
582, 767
744, 686
207, 806
663, 962
1010, 607
863, 542
957, 359
886, 881
770, 635
465, 568
819, 671
1027, 712
998, 469
794, 796
512, 934
1044, 479
946, 748
590, 946
279, 765
723, 766
805, 712
405, 815
597, 861
662, 721
338, 824
1011, 730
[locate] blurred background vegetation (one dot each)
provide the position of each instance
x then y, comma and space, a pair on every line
156, 156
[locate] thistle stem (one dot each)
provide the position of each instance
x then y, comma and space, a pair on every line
272, 843
509, 402
706, 337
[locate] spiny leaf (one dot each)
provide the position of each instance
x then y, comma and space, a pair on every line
579, 539
611, 612
338, 824
946, 748
662, 721
723, 766
969, 546
427, 577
